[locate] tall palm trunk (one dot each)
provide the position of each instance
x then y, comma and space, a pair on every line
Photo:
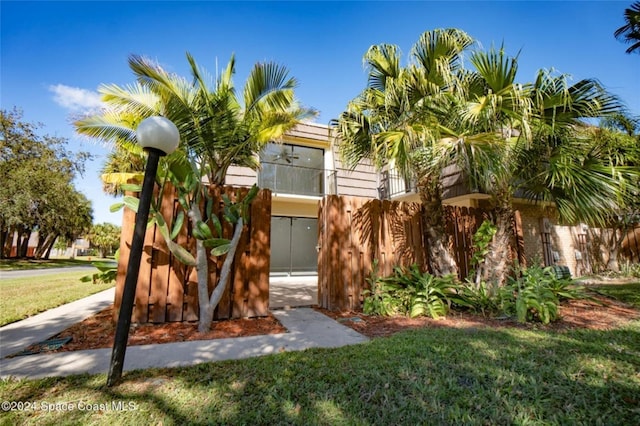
441, 260
499, 259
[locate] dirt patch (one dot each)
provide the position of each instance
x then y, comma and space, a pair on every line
98, 331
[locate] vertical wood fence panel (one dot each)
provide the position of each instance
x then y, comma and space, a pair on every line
354, 232
631, 245
167, 290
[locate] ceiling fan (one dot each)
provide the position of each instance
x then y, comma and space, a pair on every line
286, 156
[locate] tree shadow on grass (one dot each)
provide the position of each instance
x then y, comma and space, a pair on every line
427, 376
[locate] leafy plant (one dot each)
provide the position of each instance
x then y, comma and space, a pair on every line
432, 295
628, 270
107, 271
381, 298
479, 298
481, 243
192, 194
534, 295
408, 291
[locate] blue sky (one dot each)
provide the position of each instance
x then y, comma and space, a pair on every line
54, 55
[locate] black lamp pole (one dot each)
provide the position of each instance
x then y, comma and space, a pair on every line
133, 267
158, 136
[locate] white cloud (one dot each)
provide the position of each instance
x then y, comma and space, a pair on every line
74, 98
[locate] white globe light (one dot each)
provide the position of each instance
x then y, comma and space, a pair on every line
159, 133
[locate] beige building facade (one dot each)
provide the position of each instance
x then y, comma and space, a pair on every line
300, 169
305, 166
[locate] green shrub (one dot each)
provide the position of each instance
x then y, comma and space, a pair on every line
409, 292
628, 269
537, 293
532, 294
479, 298
107, 271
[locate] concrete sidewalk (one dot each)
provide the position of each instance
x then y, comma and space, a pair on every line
306, 329
18, 335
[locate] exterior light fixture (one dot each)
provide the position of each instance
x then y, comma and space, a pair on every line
158, 137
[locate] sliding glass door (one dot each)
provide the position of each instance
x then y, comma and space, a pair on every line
293, 245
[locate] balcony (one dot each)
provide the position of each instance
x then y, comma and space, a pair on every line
296, 180
454, 183
394, 185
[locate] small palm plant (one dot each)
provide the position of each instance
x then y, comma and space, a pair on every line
217, 128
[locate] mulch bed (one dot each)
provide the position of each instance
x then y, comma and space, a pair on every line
601, 314
98, 331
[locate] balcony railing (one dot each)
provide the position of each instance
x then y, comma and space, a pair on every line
297, 180
394, 184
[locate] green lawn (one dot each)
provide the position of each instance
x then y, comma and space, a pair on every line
428, 376
23, 297
628, 293
21, 264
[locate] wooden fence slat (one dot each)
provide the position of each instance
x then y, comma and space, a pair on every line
128, 222
159, 286
260, 254
175, 292
141, 303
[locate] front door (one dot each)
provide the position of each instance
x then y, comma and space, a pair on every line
293, 245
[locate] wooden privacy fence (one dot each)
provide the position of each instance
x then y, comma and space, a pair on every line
353, 231
631, 245
167, 290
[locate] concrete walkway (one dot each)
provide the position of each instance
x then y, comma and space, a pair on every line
5, 275
18, 335
306, 329
296, 291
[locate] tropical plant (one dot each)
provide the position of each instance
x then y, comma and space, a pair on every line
481, 242
535, 294
400, 120
107, 271
629, 33
480, 297
506, 137
408, 291
105, 237
217, 130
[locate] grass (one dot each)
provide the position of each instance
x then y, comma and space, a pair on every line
22, 264
427, 376
24, 297
628, 293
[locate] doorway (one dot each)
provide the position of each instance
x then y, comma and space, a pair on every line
293, 245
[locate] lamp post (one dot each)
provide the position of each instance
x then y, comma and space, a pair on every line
158, 137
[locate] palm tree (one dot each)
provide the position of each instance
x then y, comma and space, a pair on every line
494, 116
505, 136
217, 130
538, 147
400, 119
629, 33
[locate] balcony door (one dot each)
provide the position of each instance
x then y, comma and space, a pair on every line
292, 169
293, 245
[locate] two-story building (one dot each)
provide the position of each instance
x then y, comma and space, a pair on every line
300, 170
305, 166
